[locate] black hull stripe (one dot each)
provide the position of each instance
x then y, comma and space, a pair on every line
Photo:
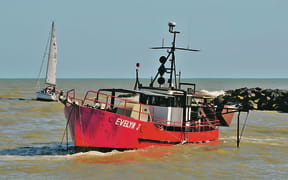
173, 142
100, 149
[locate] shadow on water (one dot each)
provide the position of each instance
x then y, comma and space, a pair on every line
40, 149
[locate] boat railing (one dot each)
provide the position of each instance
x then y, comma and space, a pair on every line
138, 111
119, 105
199, 125
73, 98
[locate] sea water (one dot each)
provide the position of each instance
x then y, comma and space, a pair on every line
33, 146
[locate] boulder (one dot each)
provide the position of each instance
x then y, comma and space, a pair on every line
256, 98
252, 105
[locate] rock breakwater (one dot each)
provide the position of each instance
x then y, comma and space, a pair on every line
256, 98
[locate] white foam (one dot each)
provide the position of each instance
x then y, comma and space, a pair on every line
258, 140
213, 93
59, 157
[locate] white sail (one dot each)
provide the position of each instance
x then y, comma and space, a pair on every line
52, 59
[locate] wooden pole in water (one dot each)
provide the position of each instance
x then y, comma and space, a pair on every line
238, 138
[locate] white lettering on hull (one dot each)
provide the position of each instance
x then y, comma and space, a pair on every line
126, 123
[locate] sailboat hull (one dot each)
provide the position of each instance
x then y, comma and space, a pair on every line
45, 96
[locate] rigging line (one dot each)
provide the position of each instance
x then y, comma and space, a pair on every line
189, 33
66, 125
244, 125
67, 139
42, 63
79, 115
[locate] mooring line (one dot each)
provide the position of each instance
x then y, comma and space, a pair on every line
244, 125
65, 131
79, 116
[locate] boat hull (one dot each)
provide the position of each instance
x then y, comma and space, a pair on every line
40, 95
94, 128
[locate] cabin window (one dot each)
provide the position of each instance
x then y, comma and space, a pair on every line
176, 101
143, 99
153, 100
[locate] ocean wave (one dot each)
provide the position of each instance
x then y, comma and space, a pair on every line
76, 156
44, 107
57, 152
283, 130
272, 141
212, 93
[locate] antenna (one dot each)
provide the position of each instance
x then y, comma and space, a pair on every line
171, 26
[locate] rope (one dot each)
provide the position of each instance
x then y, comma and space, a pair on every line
66, 126
244, 125
43, 59
79, 115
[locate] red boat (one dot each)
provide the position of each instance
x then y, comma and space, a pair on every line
123, 119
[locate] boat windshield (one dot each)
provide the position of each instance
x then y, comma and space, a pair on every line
163, 101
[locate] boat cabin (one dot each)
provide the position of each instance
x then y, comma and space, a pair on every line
168, 108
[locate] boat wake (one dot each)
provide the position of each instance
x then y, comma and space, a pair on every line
52, 152
39, 149
58, 152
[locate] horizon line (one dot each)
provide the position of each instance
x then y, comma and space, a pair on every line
124, 78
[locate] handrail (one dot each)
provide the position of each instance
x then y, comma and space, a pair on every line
68, 93
74, 95
125, 108
188, 84
205, 122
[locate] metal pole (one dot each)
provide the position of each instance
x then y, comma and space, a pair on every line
172, 61
238, 138
137, 80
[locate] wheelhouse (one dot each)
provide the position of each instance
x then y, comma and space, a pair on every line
170, 109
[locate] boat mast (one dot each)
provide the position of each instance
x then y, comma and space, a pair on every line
171, 51
173, 65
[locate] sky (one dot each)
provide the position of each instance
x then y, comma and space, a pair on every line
105, 39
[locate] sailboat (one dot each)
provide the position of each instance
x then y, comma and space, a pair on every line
49, 92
